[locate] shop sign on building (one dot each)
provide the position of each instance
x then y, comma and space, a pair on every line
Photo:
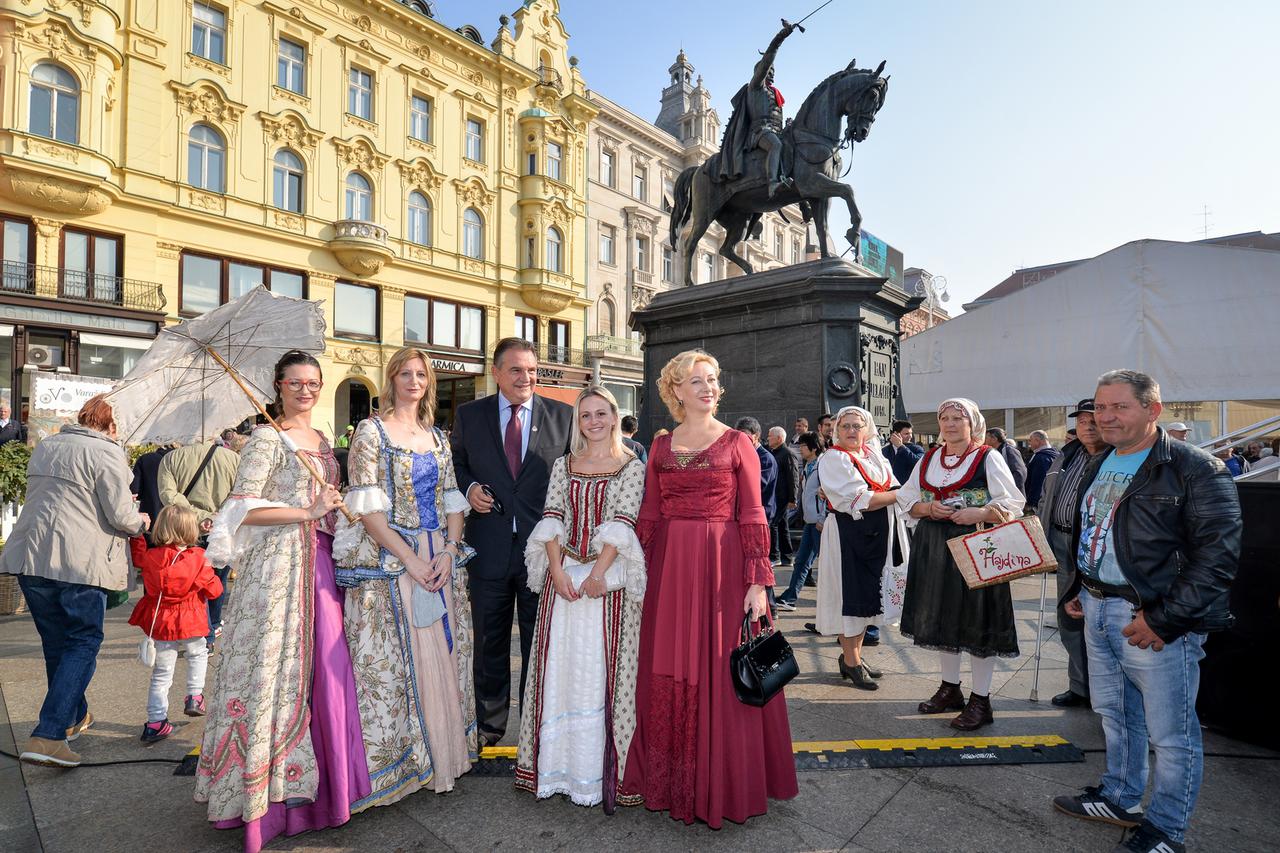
56, 399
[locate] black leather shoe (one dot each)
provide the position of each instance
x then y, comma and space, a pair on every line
1070, 699
858, 675
812, 580
874, 673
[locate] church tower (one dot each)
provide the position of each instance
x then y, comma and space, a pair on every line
686, 107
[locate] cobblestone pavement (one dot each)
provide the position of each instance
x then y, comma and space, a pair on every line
143, 807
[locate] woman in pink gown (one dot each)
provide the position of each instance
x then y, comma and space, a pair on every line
698, 752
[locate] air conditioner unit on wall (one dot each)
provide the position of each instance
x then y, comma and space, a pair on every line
43, 355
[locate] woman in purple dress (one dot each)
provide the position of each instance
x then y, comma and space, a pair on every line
282, 751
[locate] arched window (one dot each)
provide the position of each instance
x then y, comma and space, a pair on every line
555, 250
472, 234
608, 318
287, 177
419, 219
55, 103
359, 198
206, 159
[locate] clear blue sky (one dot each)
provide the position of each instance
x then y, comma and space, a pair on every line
1014, 133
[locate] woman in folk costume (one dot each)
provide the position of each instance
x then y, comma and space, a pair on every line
863, 541
955, 486
698, 752
579, 711
282, 749
408, 616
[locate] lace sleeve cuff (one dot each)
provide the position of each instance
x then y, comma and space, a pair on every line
362, 500
230, 537
535, 552
630, 559
455, 502
756, 567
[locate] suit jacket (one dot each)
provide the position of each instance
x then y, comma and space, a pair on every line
13, 431
478, 457
768, 481
1016, 466
902, 459
1041, 462
787, 491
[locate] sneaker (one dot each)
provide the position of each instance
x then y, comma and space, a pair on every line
217, 632
775, 562
1147, 839
782, 604
153, 732
870, 639
49, 753
80, 727
194, 706
1091, 805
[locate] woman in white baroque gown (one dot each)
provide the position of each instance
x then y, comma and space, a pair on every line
586, 561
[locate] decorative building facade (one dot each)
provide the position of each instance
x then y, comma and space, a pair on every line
160, 157
633, 168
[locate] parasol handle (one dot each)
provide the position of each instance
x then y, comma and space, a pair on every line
288, 442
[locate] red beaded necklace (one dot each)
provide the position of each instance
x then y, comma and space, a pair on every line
960, 461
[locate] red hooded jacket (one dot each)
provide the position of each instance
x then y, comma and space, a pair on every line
186, 583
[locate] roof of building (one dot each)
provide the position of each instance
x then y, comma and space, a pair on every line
1029, 276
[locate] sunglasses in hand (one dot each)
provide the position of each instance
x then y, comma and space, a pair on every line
497, 504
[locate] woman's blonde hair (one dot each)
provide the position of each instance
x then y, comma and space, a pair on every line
175, 525
387, 400
676, 371
578, 443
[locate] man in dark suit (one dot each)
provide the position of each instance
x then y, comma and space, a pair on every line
10, 429
901, 451
1017, 466
768, 467
788, 459
505, 443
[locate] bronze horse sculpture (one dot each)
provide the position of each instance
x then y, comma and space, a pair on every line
810, 158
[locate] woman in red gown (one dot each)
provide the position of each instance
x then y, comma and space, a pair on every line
698, 752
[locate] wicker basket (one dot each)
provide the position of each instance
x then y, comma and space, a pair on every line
11, 600
1002, 552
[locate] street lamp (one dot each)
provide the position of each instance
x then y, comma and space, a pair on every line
934, 288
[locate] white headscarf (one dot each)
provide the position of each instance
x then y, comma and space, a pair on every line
873, 440
970, 410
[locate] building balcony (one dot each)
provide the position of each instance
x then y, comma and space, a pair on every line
561, 355
599, 345
76, 286
361, 247
548, 76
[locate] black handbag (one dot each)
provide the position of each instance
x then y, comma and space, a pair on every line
761, 665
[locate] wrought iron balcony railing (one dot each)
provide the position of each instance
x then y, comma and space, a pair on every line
548, 76
81, 286
612, 344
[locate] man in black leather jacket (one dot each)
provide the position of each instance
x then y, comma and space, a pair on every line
1157, 541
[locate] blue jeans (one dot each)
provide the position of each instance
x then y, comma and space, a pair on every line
215, 604
1145, 695
68, 617
805, 555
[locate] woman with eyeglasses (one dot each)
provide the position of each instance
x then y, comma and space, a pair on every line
283, 751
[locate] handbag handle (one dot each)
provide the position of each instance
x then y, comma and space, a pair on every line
1002, 517
745, 634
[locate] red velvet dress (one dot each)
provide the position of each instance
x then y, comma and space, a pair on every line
698, 752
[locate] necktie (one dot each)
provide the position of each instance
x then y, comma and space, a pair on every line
512, 440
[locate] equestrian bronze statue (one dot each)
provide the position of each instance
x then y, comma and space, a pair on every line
764, 165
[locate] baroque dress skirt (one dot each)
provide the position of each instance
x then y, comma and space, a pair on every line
334, 726
941, 612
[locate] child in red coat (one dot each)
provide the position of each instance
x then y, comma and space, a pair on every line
179, 581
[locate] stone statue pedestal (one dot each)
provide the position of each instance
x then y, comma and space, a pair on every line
791, 342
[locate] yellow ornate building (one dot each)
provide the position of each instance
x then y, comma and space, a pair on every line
160, 157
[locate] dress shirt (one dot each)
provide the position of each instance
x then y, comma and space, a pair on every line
526, 421
526, 425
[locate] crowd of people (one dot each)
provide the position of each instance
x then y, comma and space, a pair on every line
364, 649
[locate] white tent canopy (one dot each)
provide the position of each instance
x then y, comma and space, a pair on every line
1201, 319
